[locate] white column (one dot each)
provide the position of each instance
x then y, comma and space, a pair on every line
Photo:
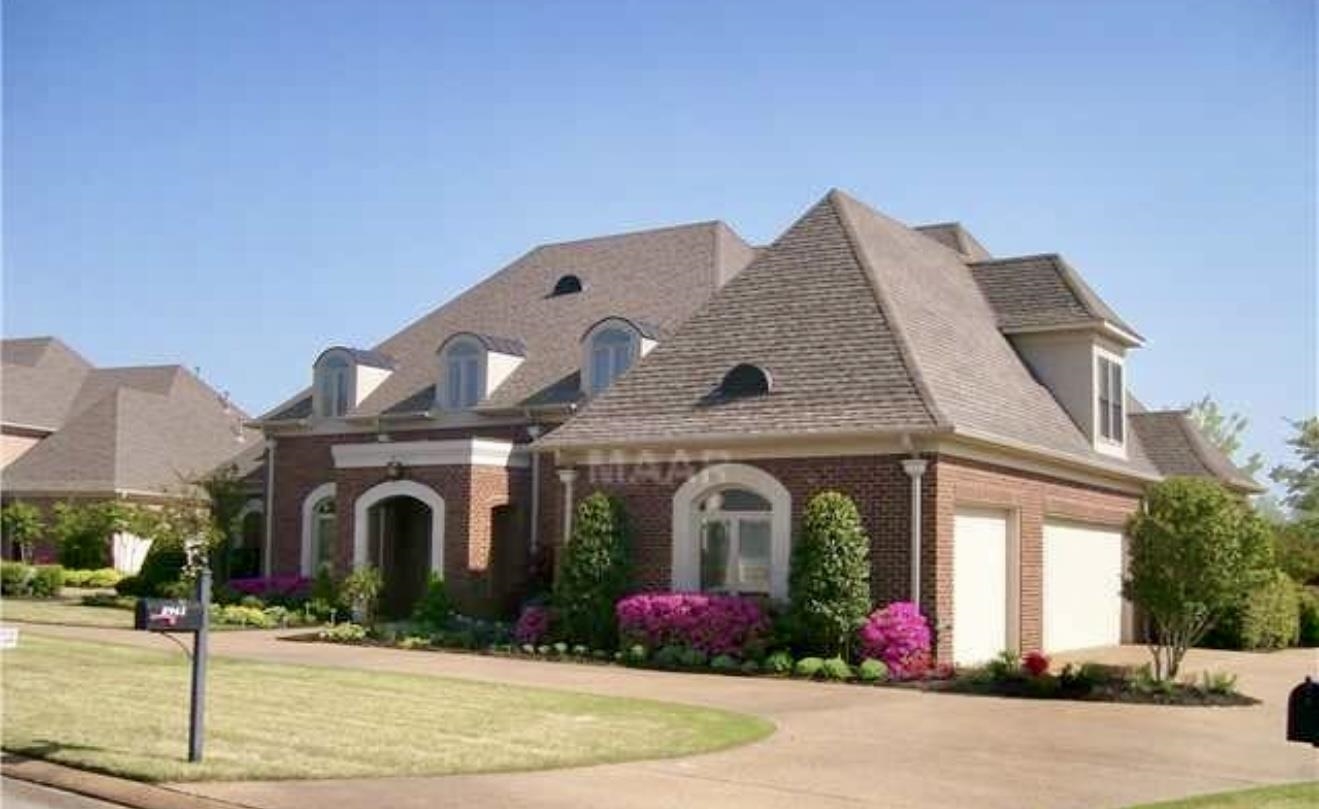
915, 469
567, 476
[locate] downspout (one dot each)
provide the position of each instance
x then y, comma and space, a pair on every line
266, 550
534, 431
915, 469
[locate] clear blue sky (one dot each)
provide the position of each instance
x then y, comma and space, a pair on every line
236, 185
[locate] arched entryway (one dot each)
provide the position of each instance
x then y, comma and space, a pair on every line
398, 528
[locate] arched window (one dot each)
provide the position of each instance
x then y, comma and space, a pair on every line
744, 380
325, 533
462, 375
735, 527
732, 532
332, 378
612, 352
567, 285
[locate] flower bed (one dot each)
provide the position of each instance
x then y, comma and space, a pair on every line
711, 624
285, 588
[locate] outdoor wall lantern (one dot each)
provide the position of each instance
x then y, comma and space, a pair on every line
394, 470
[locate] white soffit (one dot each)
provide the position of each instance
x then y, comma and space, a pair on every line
460, 452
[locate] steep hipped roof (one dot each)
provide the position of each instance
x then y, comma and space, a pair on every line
1040, 292
39, 379
656, 277
141, 429
864, 324
1177, 447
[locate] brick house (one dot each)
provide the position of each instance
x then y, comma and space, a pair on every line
976, 408
74, 432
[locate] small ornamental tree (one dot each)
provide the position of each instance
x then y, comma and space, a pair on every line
594, 571
1196, 551
829, 583
22, 524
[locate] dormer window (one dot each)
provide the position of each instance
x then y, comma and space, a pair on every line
567, 285
333, 378
744, 380
612, 352
1111, 400
462, 374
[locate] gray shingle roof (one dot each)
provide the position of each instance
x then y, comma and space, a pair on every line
39, 379
865, 324
1032, 292
956, 238
145, 429
1177, 447
656, 277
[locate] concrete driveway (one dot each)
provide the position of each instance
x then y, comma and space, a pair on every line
840, 745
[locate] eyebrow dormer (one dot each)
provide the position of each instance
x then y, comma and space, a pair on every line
343, 377
472, 366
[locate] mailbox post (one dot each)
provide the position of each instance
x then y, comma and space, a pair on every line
194, 616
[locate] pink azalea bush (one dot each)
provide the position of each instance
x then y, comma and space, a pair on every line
900, 636
287, 586
713, 624
533, 626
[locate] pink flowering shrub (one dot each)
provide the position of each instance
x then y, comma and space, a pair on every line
286, 587
713, 624
1037, 663
900, 636
533, 626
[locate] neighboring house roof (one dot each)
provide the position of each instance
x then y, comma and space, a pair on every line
656, 277
1177, 447
865, 325
1041, 292
955, 237
42, 376
140, 429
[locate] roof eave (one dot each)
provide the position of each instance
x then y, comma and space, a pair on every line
550, 444
1064, 458
1107, 328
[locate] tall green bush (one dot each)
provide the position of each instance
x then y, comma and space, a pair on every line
1196, 552
434, 608
829, 584
82, 532
594, 572
1267, 618
22, 525
1308, 604
361, 589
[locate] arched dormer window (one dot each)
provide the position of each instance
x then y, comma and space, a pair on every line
745, 380
333, 383
612, 352
566, 285
463, 374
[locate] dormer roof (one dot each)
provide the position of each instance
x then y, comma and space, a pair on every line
1043, 293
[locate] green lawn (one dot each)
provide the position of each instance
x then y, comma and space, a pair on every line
124, 711
1288, 796
59, 611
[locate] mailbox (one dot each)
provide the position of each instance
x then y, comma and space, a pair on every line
168, 615
1303, 713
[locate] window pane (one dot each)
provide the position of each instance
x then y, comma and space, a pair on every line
601, 369
1118, 402
714, 555
340, 392
742, 500
753, 556
326, 530
471, 382
455, 385
622, 358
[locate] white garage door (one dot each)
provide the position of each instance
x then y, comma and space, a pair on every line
1082, 586
980, 591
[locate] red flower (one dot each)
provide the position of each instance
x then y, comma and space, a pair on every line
1036, 663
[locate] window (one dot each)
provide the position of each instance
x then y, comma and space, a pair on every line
332, 385
567, 285
612, 351
744, 380
325, 531
1111, 398
462, 375
735, 542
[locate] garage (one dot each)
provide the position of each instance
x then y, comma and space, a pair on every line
1082, 586
980, 584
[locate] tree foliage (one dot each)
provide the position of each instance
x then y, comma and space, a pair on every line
1196, 552
1225, 431
1302, 482
829, 583
22, 525
226, 495
594, 572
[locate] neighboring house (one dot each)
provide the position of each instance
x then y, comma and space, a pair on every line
75, 432
978, 410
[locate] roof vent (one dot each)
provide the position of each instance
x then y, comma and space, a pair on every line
567, 285
744, 380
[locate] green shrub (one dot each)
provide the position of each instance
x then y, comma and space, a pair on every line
636, 654
236, 615
46, 581
1218, 682
580, 651
544, 650
110, 600
98, 579
872, 671
836, 668
593, 572
162, 567
82, 533
779, 662
1268, 618
344, 632
1308, 613
414, 642
829, 579
361, 589
434, 607
15, 578
21, 524
668, 657
750, 667
560, 648
1005, 666
324, 587
132, 586
808, 667
725, 663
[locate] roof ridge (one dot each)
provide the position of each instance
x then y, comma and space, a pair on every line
834, 198
638, 232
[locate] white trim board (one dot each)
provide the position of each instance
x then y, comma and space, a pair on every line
456, 452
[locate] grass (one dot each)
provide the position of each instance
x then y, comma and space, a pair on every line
1287, 796
60, 611
123, 711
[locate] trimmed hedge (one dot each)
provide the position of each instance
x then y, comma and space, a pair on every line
97, 579
32, 581
1269, 618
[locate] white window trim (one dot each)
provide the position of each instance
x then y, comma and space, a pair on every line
398, 488
1102, 443
686, 559
350, 383
309, 503
636, 348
